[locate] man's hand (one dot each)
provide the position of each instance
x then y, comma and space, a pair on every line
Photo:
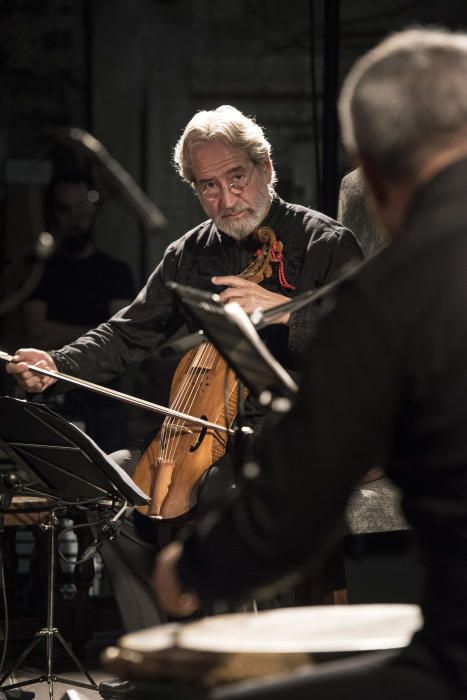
167, 585
26, 378
250, 295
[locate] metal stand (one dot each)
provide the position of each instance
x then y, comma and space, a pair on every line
49, 633
51, 458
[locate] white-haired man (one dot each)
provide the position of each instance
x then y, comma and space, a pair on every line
226, 159
387, 365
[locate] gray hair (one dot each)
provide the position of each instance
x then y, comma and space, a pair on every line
406, 99
226, 123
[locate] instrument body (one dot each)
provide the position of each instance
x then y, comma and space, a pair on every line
180, 453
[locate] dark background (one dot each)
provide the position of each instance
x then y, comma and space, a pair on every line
132, 72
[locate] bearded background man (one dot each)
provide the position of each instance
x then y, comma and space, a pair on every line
81, 286
225, 158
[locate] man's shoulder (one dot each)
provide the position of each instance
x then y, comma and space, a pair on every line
198, 235
315, 224
313, 231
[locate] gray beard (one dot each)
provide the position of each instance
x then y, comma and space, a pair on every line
254, 217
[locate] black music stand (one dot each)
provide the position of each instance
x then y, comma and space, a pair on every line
233, 334
52, 458
230, 329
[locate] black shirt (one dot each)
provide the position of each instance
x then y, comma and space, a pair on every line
315, 249
79, 291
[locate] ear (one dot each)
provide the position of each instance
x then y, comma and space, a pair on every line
387, 201
376, 184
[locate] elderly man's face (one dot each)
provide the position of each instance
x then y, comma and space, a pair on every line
217, 166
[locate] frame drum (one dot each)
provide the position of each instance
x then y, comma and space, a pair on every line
228, 648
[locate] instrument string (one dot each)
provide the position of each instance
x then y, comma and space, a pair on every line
171, 426
196, 373
200, 363
174, 427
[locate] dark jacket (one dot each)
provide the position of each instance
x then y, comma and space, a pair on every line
386, 377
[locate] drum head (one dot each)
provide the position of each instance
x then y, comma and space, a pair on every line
315, 629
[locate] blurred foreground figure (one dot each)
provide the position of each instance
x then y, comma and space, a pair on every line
385, 382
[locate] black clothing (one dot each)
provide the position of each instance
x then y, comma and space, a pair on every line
79, 291
386, 376
315, 249
385, 676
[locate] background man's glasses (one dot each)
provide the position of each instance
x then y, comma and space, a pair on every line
213, 189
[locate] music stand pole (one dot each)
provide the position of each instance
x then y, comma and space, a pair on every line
50, 632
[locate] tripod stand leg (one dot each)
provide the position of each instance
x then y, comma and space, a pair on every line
78, 663
50, 632
20, 660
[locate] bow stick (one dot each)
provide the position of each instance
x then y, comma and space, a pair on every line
120, 396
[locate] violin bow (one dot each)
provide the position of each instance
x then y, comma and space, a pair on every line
120, 396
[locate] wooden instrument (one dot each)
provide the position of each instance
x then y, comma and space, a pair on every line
261, 267
171, 467
228, 648
180, 453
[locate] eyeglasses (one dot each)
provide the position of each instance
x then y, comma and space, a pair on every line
213, 189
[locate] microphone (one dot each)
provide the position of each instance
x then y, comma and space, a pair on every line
107, 533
